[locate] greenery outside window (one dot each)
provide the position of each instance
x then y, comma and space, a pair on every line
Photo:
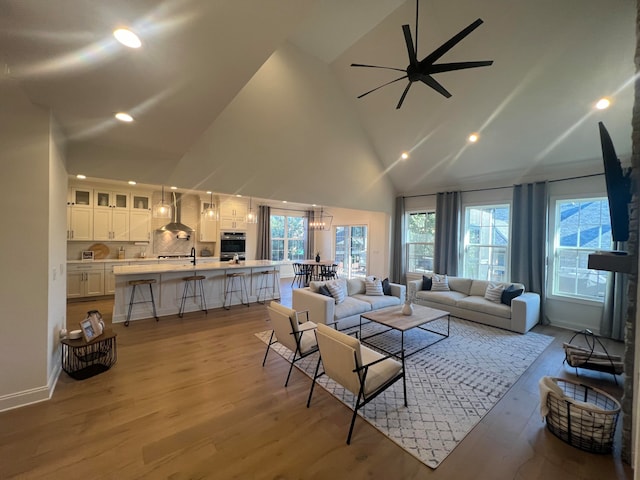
420, 234
288, 237
582, 226
486, 243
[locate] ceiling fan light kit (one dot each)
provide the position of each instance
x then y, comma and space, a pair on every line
424, 69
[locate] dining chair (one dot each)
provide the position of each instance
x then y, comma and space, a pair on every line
328, 272
291, 331
361, 370
299, 274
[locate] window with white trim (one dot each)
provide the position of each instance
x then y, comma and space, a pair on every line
288, 234
420, 234
486, 243
581, 226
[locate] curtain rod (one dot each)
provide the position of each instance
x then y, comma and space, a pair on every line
509, 186
288, 209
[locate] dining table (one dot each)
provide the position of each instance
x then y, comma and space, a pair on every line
315, 267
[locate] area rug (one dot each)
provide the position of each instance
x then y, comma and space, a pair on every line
451, 385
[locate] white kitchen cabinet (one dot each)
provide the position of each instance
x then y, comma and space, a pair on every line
105, 198
79, 222
139, 225
110, 224
80, 196
208, 224
141, 201
85, 280
233, 214
110, 278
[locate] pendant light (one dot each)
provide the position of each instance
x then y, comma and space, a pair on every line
251, 216
322, 221
162, 209
210, 211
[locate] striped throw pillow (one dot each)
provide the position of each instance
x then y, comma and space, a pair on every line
440, 283
373, 287
493, 293
337, 292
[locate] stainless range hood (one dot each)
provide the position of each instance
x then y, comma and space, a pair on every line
176, 225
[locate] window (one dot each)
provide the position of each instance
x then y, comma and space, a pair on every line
288, 234
582, 226
486, 243
351, 244
421, 227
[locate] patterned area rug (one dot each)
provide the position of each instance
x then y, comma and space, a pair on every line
451, 385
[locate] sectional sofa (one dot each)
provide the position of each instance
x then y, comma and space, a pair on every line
324, 309
466, 298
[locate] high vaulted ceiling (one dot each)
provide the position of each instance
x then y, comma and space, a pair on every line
207, 69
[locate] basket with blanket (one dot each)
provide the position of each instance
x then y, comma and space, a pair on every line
585, 417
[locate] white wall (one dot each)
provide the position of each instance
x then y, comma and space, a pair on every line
289, 135
25, 349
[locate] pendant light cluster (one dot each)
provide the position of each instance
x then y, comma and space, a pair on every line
162, 209
322, 221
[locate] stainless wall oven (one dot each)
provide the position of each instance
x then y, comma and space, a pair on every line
231, 244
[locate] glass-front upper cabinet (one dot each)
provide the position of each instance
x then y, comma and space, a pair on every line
140, 201
109, 199
80, 196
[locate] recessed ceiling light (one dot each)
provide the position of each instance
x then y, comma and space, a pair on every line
473, 138
174, 188
238, 195
127, 38
81, 177
124, 117
131, 182
284, 201
603, 103
314, 205
209, 192
404, 155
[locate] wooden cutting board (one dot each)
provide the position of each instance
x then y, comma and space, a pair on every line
100, 251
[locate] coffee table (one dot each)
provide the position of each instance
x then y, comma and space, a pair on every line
393, 318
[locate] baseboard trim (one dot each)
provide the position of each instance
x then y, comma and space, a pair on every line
32, 395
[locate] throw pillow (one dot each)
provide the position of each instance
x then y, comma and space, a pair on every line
426, 283
386, 287
336, 290
510, 293
373, 287
440, 283
493, 293
324, 291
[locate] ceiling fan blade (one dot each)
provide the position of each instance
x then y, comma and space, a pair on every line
448, 67
377, 66
384, 85
413, 59
452, 42
404, 94
428, 80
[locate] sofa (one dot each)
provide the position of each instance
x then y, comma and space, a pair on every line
466, 298
324, 309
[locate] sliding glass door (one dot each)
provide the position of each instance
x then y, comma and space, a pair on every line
351, 244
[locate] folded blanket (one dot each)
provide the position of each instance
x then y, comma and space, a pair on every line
547, 385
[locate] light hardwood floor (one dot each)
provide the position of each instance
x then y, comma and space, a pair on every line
189, 399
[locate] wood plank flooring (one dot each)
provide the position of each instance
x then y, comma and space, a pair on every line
189, 399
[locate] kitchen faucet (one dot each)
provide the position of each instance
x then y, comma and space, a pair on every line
193, 256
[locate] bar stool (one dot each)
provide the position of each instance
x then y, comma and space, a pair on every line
264, 285
134, 284
236, 282
197, 282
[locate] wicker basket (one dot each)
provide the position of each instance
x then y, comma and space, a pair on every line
586, 419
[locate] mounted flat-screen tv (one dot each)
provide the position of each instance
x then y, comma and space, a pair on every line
618, 188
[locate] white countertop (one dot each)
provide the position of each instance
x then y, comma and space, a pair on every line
145, 259
188, 267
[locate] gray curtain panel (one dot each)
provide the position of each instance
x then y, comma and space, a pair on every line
445, 256
264, 233
310, 243
528, 239
399, 268
615, 302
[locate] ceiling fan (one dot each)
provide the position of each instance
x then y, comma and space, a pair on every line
423, 69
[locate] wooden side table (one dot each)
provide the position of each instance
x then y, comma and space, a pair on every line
82, 359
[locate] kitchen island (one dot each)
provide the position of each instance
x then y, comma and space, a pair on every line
169, 285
